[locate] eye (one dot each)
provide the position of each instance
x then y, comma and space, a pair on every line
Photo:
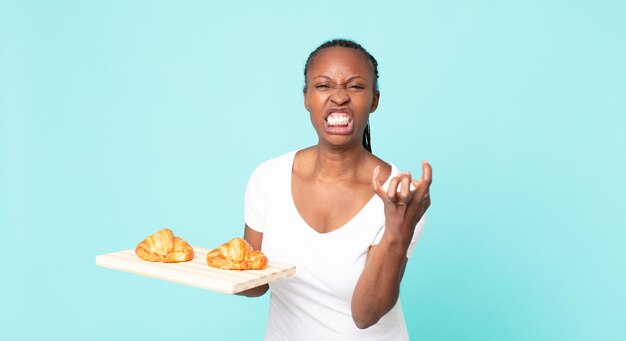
322, 86
356, 87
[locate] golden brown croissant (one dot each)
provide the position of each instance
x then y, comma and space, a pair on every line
236, 255
163, 246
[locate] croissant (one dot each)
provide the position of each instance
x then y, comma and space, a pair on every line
237, 254
163, 246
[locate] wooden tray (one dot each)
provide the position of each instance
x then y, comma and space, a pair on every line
196, 272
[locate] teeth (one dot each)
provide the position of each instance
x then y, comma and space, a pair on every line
338, 120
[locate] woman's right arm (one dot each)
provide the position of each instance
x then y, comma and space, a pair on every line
255, 239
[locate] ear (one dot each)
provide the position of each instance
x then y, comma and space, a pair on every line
375, 101
306, 100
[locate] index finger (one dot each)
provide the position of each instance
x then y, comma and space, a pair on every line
376, 183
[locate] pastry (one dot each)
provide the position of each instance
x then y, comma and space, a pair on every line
236, 255
163, 246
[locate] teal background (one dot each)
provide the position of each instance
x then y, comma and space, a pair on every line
118, 118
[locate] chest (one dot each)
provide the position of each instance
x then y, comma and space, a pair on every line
326, 207
330, 261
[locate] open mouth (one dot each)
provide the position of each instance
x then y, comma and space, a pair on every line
339, 121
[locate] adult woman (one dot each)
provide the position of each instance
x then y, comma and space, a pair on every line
324, 209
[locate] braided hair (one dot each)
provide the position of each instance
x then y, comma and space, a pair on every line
367, 141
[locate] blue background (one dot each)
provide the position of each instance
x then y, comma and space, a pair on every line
118, 118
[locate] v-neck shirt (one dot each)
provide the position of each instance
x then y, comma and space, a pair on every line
315, 303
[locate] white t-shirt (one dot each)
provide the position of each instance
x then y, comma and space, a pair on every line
315, 303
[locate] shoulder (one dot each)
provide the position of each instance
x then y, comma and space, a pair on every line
275, 165
304, 161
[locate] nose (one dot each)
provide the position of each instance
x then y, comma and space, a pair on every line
339, 96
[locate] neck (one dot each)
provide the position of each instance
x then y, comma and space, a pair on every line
338, 164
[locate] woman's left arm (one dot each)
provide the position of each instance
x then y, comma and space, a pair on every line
378, 287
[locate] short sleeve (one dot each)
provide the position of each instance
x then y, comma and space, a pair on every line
419, 227
255, 201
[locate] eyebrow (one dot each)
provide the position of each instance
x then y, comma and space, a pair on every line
348, 80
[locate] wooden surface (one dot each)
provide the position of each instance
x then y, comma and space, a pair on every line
196, 272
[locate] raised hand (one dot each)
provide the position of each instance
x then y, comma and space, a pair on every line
406, 200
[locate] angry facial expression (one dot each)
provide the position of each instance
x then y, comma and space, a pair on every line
340, 95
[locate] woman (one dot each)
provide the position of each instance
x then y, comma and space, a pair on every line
345, 218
